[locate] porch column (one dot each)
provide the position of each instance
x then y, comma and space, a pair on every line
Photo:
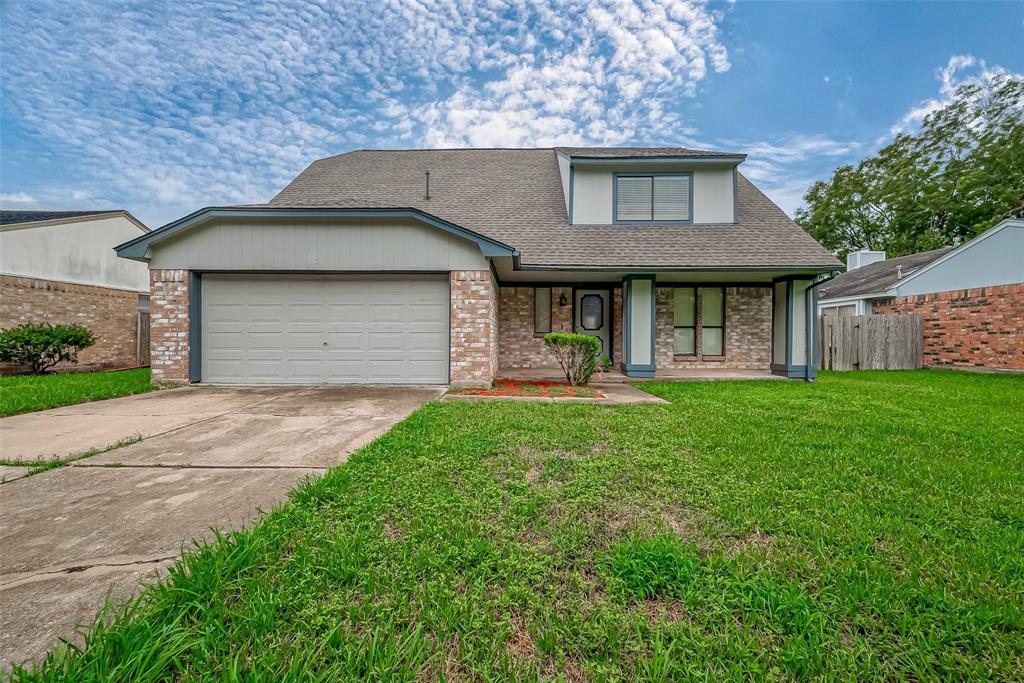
638, 328
793, 328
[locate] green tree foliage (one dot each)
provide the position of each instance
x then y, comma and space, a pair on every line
40, 347
961, 174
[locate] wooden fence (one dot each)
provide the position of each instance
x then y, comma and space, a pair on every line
871, 342
142, 339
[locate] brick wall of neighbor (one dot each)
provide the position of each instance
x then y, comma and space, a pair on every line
168, 342
975, 328
518, 346
748, 331
111, 314
474, 328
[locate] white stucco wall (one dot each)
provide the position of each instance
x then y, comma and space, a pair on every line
79, 251
713, 195
995, 258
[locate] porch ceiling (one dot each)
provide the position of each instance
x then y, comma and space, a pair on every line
509, 276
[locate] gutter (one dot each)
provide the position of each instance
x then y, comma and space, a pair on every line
811, 312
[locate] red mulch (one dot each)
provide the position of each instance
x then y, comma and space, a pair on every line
512, 387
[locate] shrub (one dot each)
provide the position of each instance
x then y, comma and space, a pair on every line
40, 347
576, 353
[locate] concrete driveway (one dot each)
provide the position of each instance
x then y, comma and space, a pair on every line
210, 457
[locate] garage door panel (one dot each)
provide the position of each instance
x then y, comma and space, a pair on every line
273, 329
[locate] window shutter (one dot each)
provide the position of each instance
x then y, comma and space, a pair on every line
542, 310
671, 198
633, 198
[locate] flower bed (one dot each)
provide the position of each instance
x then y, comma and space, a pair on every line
544, 388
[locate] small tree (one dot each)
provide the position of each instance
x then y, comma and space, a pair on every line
40, 347
576, 353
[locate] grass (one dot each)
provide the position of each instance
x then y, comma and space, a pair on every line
868, 526
28, 393
37, 465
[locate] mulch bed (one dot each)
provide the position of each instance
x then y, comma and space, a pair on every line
546, 388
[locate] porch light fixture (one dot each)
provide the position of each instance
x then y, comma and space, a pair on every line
562, 301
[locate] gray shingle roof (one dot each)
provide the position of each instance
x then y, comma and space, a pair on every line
877, 277
515, 196
12, 217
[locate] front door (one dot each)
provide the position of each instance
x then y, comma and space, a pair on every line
592, 307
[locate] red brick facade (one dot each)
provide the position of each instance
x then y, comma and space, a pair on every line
168, 343
473, 359
748, 332
518, 346
977, 328
111, 314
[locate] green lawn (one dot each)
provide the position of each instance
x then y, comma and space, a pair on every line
868, 526
26, 393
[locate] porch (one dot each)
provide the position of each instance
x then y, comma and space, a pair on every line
662, 328
616, 376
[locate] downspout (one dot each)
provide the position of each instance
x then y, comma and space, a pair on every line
810, 308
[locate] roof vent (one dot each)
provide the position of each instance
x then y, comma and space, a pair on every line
859, 259
427, 194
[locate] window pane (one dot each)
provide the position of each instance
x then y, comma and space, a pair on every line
671, 198
592, 312
711, 341
685, 341
542, 310
685, 311
711, 306
633, 198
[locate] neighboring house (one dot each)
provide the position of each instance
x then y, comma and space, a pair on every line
442, 266
971, 297
59, 267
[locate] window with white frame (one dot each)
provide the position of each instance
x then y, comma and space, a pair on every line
653, 197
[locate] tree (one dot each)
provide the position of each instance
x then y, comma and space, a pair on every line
961, 174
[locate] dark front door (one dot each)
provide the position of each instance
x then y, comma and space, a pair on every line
592, 308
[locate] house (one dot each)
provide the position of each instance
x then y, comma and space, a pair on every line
971, 297
59, 267
448, 266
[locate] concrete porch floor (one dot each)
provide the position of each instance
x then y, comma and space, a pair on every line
616, 376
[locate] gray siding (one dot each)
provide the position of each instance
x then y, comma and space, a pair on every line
312, 245
996, 259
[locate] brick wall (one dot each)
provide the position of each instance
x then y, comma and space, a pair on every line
168, 343
518, 346
111, 314
748, 331
474, 328
978, 328
617, 327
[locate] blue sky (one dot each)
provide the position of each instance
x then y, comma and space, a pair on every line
162, 108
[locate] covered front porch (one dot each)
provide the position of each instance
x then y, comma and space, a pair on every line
671, 325
615, 376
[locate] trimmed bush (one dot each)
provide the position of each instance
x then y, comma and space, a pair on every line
576, 353
40, 347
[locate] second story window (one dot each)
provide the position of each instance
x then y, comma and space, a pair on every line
653, 197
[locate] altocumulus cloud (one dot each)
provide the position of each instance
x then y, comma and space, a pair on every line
163, 107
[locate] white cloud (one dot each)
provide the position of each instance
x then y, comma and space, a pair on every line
959, 70
18, 197
164, 107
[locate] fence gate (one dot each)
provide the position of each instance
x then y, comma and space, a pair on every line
871, 342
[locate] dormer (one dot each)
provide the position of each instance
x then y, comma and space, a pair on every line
648, 187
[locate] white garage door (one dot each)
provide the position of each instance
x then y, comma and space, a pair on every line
324, 330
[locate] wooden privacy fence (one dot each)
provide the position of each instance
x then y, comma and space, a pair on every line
871, 342
142, 339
